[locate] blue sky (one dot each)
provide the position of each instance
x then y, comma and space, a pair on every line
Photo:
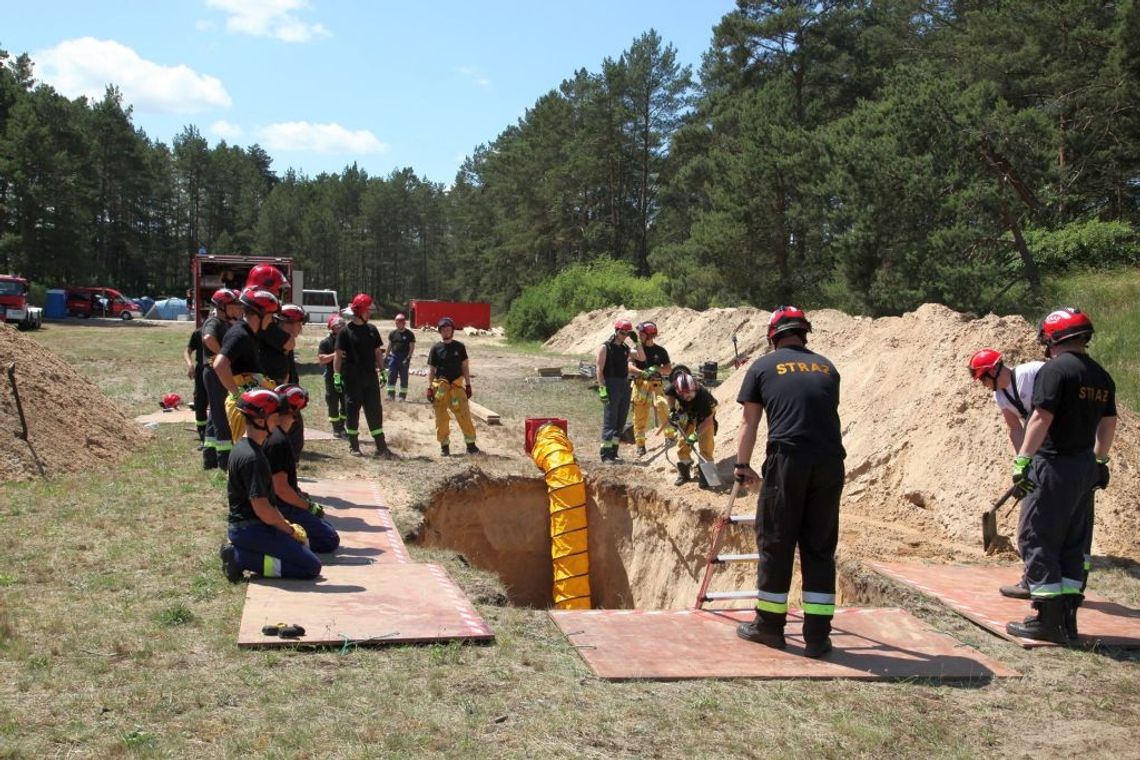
323, 83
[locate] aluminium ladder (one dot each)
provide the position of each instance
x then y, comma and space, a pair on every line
715, 558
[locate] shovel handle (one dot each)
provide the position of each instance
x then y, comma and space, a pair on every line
1004, 498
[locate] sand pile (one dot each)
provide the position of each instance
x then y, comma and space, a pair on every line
71, 425
927, 450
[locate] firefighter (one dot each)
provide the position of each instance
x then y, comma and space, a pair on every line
1013, 394
401, 347
803, 480
291, 320
326, 352
238, 363
194, 358
695, 421
359, 357
1062, 458
261, 540
612, 362
648, 384
294, 505
449, 388
227, 310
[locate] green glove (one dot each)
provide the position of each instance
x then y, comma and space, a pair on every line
603, 394
650, 373
316, 509
384, 376
691, 438
338, 382
1021, 480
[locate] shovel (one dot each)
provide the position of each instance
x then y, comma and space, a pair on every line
989, 520
708, 469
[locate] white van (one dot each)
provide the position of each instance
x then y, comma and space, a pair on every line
319, 305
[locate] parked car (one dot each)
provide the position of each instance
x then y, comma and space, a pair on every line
101, 302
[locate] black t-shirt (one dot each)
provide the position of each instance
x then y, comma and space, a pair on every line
700, 408
249, 478
1078, 392
240, 347
215, 327
327, 346
279, 453
271, 349
195, 345
617, 360
655, 356
447, 358
359, 344
799, 390
402, 342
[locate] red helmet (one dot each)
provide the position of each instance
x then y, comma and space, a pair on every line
445, 322
985, 362
291, 312
259, 403
401, 318
361, 303
223, 297
1063, 324
170, 401
683, 382
623, 325
335, 322
260, 301
293, 397
265, 277
649, 328
785, 319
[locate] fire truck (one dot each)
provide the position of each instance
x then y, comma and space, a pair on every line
208, 272
14, 305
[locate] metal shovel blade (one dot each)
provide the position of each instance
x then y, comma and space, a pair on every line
989, 521
708, 469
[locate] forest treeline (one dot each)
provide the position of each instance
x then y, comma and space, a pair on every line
867, 155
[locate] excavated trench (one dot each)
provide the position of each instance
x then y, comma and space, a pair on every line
647, 550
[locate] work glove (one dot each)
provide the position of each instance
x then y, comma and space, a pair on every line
691, 438
1102, 472
384, 376
634, 337
1021, 480
316, 509
650, 373
675, 419
603, 394
430, 393
338, 382
235, 396
299, 533
467, 390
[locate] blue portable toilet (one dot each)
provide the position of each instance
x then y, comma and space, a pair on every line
55, 304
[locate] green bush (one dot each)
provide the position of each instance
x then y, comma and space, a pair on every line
1084, 245
541, 310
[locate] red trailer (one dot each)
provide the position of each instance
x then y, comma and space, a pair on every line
464, 313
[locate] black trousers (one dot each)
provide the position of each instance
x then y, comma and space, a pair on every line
1054, 532
201, 401
335, 401
217, 426
363, 394
798, 507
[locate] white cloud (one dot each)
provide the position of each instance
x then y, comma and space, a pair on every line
269, 18
476, 76
85, 66
225, 130
320, 138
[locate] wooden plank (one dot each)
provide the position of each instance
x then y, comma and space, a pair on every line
870, 644
483, 413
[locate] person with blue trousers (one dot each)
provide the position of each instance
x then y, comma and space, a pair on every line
612, 371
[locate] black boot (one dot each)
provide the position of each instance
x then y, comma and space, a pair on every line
1048, 625
382, 449
1072, 602
224, 461
230, 567
682, 473
354, 445
209, 458
641, 449
338, 429
1017, 591
762, 632
472, 448
444, 450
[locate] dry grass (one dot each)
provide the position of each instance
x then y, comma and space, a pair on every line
117, 637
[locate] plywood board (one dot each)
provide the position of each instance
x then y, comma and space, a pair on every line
972, 591
355, 509
177, 415
870, 644
483, 413
362, 604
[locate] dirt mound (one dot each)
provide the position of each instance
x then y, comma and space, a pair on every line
927, 451
72, 426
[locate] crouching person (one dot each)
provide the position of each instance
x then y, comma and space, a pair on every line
294, 505
694, 416
261, 540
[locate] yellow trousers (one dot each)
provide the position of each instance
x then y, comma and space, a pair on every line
451, 397
705, 442
647, 395
233, 416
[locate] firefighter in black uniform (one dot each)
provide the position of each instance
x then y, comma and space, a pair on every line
359, 357
238, 363
648, 384
693, 414
194, 362
401, 346
1063, 457
326, 352
449, 388
218, 442
803, 480
261, 540
611, 363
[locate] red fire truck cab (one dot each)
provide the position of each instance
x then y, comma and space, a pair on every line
14, 305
